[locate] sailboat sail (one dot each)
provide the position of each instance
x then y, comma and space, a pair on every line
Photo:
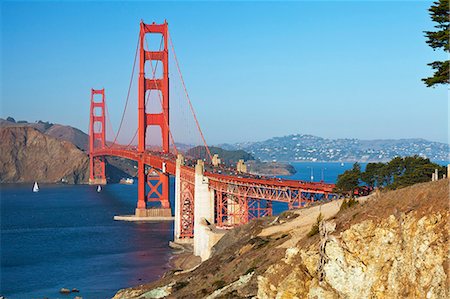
35, 187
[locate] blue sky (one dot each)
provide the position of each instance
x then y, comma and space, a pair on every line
254, 70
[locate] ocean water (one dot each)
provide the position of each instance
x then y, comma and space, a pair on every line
65, 236
314, 172
318, 171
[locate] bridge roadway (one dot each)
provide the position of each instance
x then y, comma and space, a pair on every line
258, 187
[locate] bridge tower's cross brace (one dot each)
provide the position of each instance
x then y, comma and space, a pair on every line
97, 137
153, 119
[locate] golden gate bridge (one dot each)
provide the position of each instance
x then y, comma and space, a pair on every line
204, 189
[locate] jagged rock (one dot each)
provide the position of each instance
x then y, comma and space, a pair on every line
396, 258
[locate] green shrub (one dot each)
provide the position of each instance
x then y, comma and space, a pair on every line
179, 285
218, 284
315, 228
348, 204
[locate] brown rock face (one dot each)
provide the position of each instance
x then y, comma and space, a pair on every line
67, 133
27, 155
390, 245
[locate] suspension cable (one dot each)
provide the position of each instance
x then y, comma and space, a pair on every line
188, 98
128, 93
109, 123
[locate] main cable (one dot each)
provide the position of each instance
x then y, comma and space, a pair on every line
188, 98
128, 93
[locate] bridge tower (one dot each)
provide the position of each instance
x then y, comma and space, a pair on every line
97, 137
157, 180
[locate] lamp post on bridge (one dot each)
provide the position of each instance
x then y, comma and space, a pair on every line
323, 168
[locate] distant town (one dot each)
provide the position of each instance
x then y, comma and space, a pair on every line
309, 148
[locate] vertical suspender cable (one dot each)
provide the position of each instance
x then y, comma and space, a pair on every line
189, 100
128, 94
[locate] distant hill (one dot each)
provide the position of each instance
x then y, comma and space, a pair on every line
62, 132
226, 156
48, 153
27, 155
300, 147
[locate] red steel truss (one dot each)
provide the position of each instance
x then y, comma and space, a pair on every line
239, 200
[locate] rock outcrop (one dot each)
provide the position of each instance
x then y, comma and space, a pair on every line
27, 155
270, 168
390, 245
62, 132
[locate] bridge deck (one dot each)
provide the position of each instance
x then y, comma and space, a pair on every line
156, 160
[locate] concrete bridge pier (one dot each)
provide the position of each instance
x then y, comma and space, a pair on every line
204, 236
101, 181
177, 210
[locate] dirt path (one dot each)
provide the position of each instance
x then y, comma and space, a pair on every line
300, 226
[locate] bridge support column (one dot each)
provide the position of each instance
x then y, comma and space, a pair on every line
97, 137
142, 199
177, 223
157, 184
203, 214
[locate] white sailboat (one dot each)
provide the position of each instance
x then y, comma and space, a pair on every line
99, 188
35, 187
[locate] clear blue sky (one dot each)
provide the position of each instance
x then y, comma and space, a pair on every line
254, 70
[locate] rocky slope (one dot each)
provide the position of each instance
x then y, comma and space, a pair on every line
62, 132
71, 134
47, 153
27, 155
390, 245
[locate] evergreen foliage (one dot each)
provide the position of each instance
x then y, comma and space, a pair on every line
349, 180
439, 39
397, 173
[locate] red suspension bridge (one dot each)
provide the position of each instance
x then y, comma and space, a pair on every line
207, 189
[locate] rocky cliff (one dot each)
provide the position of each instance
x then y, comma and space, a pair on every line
388, 245
62, 132
27, 155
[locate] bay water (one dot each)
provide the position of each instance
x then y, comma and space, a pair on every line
64, 236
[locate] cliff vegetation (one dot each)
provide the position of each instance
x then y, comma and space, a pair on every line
391, 244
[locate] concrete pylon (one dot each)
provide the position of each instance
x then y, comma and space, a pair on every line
176, 228
203, 213
241, 166
216, 160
